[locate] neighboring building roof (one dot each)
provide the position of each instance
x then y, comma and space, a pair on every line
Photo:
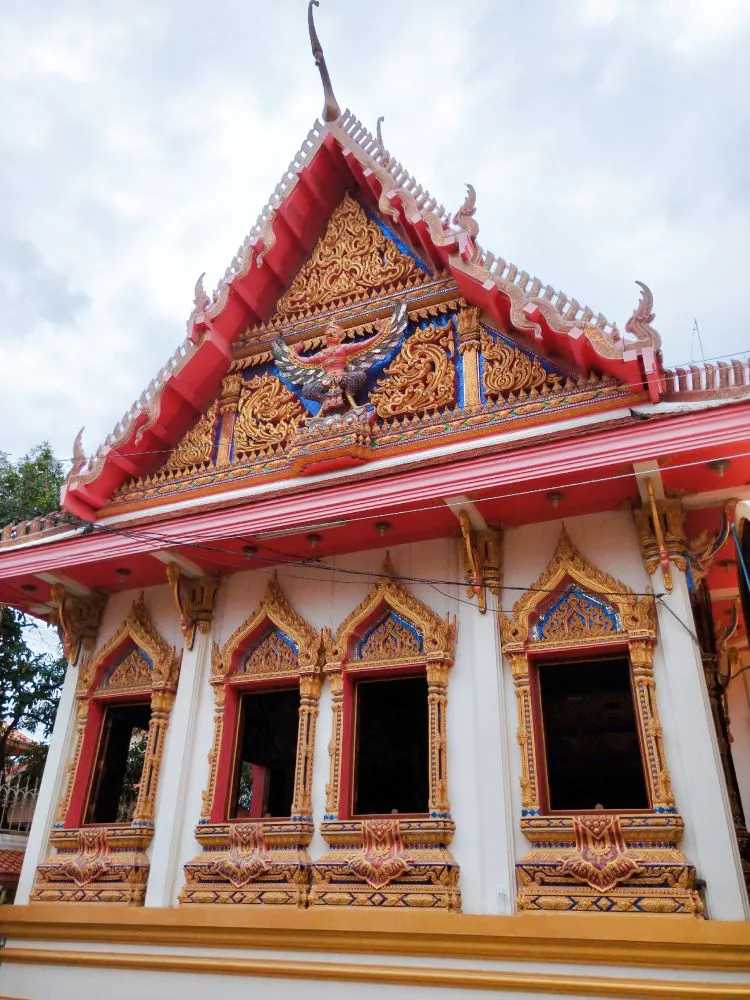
10, 866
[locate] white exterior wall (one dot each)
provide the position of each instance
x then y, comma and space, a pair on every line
483, 758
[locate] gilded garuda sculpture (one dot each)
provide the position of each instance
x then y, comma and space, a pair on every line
335, 374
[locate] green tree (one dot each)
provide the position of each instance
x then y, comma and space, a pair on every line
30, 681
31, 486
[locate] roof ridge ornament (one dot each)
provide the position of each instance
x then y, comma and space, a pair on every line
464, 219
331, 109
79, 455
639, 324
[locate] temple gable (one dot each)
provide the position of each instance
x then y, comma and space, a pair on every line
352, 260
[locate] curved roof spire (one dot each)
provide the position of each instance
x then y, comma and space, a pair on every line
331, 109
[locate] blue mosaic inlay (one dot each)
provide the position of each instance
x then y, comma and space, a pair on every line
591, 600
397, 242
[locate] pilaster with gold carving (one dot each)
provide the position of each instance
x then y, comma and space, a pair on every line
437, 701
336, 678
469, 347
309, 697
229, 401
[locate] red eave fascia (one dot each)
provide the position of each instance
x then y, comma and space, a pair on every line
252, 297
592, 454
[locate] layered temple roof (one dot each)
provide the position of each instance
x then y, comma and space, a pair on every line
341, 159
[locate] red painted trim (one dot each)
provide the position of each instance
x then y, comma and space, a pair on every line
253, 295
85, 767
225, 763
499, 472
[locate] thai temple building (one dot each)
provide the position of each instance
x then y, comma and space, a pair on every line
406, 620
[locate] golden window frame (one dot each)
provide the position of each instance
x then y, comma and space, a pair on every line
97, 862
259, 859
401, 861
626, 860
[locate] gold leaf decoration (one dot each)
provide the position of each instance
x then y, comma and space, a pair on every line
195, 447
389, 640
132, 672
421, 377
352, 258
507, 369
271, 656
268, 414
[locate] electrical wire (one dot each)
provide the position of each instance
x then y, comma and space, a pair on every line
548, 488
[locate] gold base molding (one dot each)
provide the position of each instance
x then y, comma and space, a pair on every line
95, 865
613, 864
583, 939
393, 975
241, 864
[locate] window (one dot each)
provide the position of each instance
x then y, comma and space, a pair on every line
266, 754
119, 764
593, 753
390, 772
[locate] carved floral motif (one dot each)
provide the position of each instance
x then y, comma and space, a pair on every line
506, 370
248, 856
134, 671
601, 856
272, 655
421, 377
389, 640
195, 447
382, 858
352, 258
267, 416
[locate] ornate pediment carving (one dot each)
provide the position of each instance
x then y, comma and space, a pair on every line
195, 447
507, 370
133, 671
422, 377
267, 415
352, 258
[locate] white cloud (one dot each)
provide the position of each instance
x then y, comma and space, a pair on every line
607, 142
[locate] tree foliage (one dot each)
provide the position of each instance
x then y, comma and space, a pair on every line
30, 681
31, 486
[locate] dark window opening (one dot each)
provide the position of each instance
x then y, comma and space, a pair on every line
119, 763
391, 755
266, 754
593, 751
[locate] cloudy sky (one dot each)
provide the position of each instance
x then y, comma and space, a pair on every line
607, 140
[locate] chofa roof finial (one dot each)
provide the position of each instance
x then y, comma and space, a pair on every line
639, 324
331, 109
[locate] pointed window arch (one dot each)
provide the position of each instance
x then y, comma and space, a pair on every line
266, 680
390, 636
124, 696
578, 635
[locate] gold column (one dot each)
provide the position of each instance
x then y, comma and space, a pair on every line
437, 698
334, 748
309, 695
641, 659
161, 705
229, 400
529, 787
469, 341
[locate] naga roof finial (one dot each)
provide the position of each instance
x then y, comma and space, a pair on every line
378, 128
464, 217
331, 109
639, 324
79, 455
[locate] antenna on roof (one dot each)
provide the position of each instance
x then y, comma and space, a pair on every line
331, 109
